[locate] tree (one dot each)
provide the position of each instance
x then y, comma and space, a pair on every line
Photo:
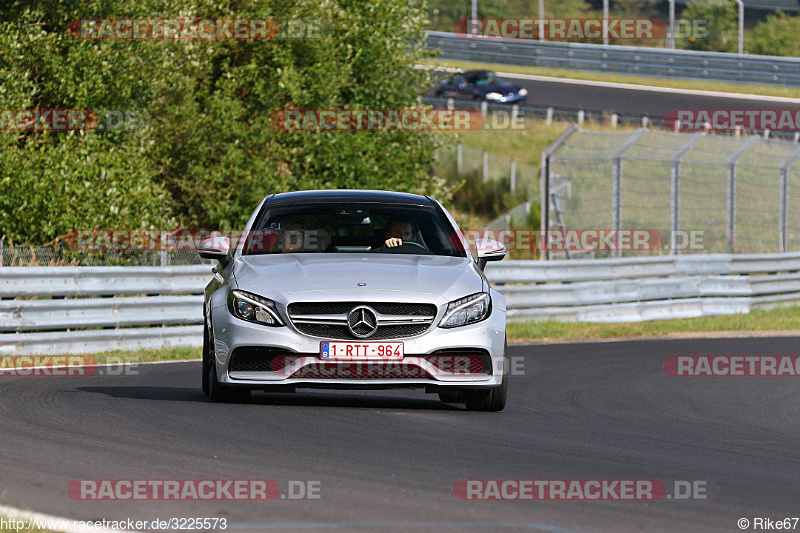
211, 150
776, 36
721, 17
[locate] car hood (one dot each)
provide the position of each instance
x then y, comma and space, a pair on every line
289, 278
503, 88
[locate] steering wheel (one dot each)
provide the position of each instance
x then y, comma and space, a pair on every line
413, 244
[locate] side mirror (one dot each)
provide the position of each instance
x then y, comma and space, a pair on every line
489, 250
215, 248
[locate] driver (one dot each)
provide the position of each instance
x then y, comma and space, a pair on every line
400, 230
293, 236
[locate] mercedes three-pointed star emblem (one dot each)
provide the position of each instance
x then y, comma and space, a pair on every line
362, 322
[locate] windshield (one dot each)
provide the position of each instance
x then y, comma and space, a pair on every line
485, 78
353, 228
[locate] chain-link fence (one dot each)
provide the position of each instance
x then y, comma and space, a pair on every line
702, 193
459, 160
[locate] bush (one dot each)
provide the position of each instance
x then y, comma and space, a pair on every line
776, 36
211, 151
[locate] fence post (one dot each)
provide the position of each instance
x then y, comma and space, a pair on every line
614, 120
549, 117
616, 186
675, 190
450, 104
645, 121
544, 184
581, 117
514, 114
459, 159
484, 108
784, 196
485, 166
513, 176
731, 196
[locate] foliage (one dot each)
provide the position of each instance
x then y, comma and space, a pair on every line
211, 150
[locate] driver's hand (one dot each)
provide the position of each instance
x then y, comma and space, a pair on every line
393, 241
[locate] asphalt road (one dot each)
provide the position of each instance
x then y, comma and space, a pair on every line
389, 459
631, 101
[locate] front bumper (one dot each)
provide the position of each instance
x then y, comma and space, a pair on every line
509, 99
302, 351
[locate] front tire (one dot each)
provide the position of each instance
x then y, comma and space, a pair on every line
212, 388
490, 399
206, 360
220, 393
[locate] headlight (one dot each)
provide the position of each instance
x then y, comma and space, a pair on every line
253, 308
523, 92
467, 310
494, 96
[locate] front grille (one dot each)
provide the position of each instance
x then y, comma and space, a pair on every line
419, 318
339, 308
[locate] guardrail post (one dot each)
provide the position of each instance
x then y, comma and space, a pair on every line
2, 239
731, 196
614, 120
645, 121
450, 104
616, 186
581, 116
549, 116
514, 114
513, 175
459, 159
783, 207
544, 184
484, 108
675, 190
485, 166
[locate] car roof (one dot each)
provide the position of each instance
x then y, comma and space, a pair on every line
349, 195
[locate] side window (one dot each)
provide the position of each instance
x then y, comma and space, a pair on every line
459, 80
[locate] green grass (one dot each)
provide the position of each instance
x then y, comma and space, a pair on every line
143, 356
780, 319
702, 85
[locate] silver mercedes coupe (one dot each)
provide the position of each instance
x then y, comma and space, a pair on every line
353, 289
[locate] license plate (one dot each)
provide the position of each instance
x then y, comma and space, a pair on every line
361, 351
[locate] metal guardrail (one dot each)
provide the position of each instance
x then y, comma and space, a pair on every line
62, 310
646, 288
68, 310
655, 62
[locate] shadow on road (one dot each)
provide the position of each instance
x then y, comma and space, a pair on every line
299, 399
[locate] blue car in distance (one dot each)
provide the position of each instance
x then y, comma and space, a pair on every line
483, 85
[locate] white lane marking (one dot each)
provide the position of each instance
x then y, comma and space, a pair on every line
634, 87
53, 523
